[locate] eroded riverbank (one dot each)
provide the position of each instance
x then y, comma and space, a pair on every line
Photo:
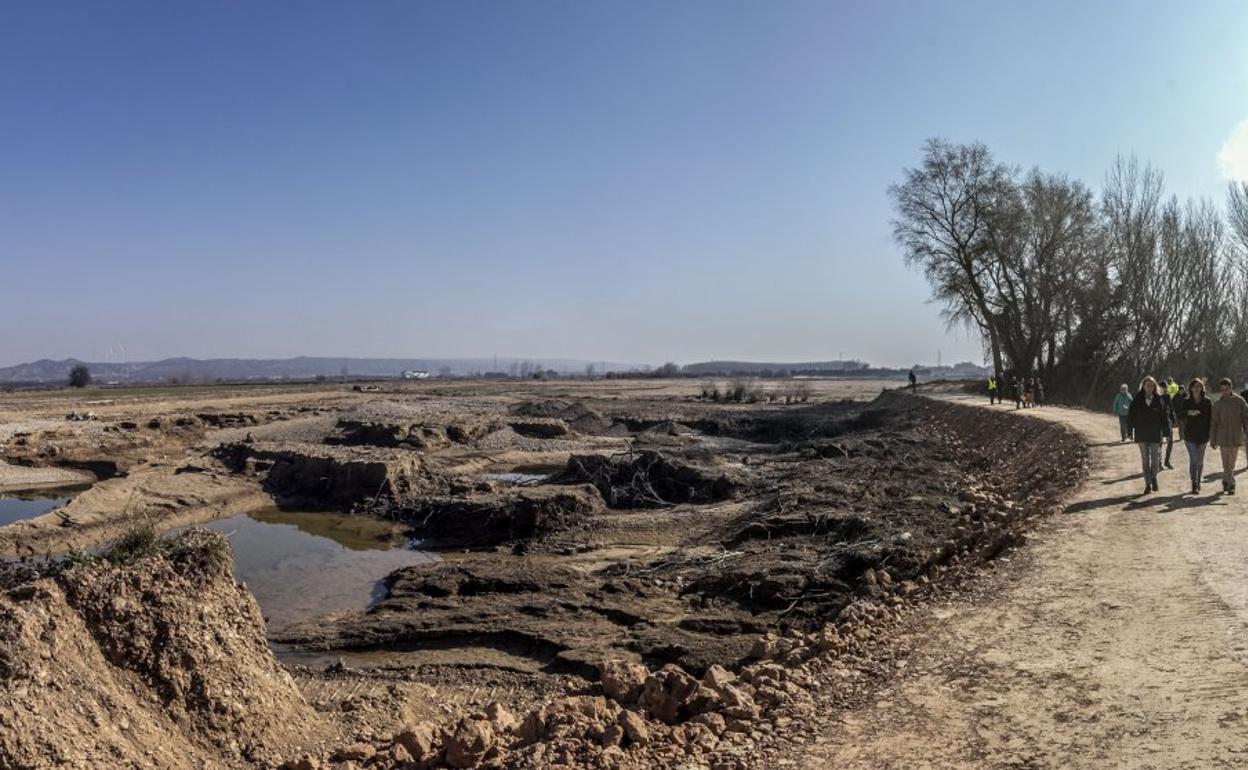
650, 528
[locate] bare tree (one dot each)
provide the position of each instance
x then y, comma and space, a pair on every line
943, 210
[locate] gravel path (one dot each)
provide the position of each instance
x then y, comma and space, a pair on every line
1118, 640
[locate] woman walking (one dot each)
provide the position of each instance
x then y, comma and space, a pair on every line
1195, 414
1148, 419
1226, 430
1122, 408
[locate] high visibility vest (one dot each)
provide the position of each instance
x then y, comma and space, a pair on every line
992, 383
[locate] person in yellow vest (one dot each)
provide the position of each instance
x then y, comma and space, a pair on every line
993, 392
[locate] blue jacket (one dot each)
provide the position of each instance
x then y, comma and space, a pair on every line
1122, 404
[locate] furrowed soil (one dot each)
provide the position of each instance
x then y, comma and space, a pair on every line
624, 574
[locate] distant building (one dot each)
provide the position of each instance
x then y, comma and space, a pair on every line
415, 374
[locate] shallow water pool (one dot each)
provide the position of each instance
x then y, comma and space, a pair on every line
16, 506
303, 565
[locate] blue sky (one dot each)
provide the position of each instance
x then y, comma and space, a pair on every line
623, 181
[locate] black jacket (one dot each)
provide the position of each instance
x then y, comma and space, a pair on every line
1168, 402
1148, 421
1196, 426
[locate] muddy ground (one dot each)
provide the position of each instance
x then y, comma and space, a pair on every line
576, 523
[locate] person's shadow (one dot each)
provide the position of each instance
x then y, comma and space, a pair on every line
1173, 503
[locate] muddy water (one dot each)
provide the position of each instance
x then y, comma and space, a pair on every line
16, 506
301, 566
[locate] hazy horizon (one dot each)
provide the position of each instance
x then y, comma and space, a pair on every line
623, 182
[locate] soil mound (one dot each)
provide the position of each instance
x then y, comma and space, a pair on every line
579, 417
517, 514
645, 479
158, 663
319, 476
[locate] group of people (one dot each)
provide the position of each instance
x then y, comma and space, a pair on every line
1024, 392
1151, 415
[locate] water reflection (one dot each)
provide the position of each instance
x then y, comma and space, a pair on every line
15, 506
303, 565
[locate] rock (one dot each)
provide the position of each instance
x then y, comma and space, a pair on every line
717, 676
622, 680
304, 762
711, 721
635, 727
667, 692
613, 735
736, 702
419, 740
400, 755
468, 743
354, 752
765, 648
500, 718
578, 717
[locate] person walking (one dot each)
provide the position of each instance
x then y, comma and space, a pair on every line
1039, 391
1122, 408
1227, 426
914, 382
1194, 411
1169, 390
1148, 419
992, 389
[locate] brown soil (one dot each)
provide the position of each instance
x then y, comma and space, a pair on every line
704, 548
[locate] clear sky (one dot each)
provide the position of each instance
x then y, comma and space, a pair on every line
629, 181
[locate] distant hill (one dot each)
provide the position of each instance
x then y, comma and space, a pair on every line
46, 371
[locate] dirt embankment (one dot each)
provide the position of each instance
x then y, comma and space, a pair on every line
158, 663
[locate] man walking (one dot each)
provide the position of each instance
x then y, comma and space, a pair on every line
992, 389
1228, 426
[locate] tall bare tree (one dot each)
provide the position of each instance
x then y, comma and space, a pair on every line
943, 210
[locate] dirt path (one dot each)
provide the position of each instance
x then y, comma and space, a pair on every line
1117, 641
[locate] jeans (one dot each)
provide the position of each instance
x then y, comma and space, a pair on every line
1195, 461
1150, 460
1124, 426
1229, 455
1169, 438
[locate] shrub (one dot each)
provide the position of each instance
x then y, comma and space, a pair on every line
79, 376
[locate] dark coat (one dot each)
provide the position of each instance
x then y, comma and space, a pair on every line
1148, 421
1195, 426
1167, 401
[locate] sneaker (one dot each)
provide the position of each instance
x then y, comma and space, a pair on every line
1168, 465
1195, 489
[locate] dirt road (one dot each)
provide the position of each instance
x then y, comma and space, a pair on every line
1117, 641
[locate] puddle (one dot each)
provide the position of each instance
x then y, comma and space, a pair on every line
523, 475
300, 566
15, 506
527, 479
